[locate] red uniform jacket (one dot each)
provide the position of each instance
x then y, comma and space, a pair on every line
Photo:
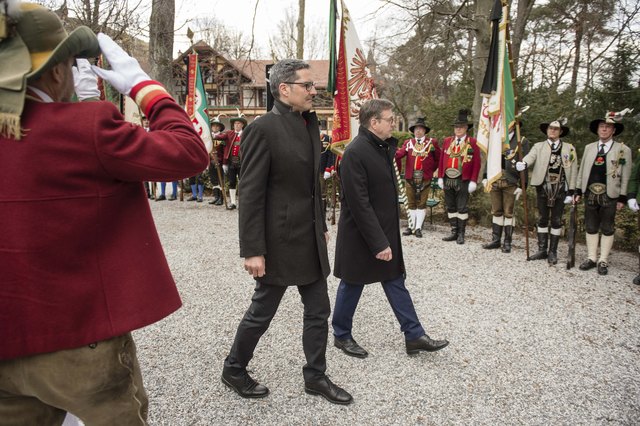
470, 166
227, 137
80, 257
427, 164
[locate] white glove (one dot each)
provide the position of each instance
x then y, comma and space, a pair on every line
484, 182
472, 186
517, 192
633, 204
568, 199
326, 175
441, 183
85, 82
521, 165
225, 169
125, 71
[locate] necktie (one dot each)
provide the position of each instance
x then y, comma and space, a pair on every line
601, 152
458, 142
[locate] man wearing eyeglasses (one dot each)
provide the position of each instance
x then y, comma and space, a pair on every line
283, 234
368, 249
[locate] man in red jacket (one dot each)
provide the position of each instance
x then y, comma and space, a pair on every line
81, 261
422, 154
458, 174
231, 158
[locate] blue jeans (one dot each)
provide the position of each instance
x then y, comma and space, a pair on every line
174, 186
398, 296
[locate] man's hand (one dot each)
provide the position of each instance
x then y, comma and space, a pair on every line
472, 186
633, 204
441, 183
125, 71
521, 165
385, 255
517, 192
568, 199
225, 169
85, 82
576, 199
254, 266
619, 205
326, 175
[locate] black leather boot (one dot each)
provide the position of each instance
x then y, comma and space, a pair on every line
496, 236
216, 197
508, 233
462, 225
553, 249
543, 243
454, 230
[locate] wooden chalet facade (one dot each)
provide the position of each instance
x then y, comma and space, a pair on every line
233, 85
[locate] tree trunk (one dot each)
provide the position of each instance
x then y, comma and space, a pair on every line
482, 33
161, 42
519, 26
576, 58
300, 26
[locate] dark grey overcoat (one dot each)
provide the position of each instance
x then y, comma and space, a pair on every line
280, 211
369, 213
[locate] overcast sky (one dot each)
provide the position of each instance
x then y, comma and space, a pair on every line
238, 14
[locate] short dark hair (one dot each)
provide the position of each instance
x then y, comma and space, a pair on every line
284, 70
373, 109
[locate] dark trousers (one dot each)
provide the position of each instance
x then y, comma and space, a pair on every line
256, 320
398, 296
456, 199
599, 215
232, 173
544, 210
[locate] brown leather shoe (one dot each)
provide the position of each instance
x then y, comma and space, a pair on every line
424, 343
330, 391
350, 347
244, 385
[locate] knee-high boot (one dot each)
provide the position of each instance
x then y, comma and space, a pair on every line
454, 230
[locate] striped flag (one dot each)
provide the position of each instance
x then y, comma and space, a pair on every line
353, 84
196, 102
497, 116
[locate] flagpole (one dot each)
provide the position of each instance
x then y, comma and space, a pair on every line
523, 179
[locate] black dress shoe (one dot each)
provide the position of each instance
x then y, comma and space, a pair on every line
329, 390
418, 233
425, 343
161, 198
350, 347
636, 280
587, 264
407, 231
603, 268
218, 202
231, 207
244, 385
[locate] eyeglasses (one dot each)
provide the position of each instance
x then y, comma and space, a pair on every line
389, 120
308, 85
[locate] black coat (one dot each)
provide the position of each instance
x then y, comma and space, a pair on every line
369, 214
280, 210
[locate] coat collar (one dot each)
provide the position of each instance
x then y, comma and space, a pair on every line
370, 136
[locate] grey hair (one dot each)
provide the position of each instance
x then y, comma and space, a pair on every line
373, 109
284, 70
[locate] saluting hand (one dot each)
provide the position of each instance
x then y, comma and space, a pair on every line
385, 255
255, 266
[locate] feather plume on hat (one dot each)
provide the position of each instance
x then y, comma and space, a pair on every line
611, 117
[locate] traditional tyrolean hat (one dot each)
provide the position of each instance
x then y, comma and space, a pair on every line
560, 122
240, 119
216, 121
464, 118
420, 123
611, 117
36, 41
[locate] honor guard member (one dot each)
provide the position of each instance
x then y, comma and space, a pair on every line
602, 180
217, 127
422, 157
632, 202
231, 157
504, 193
555, 169
458, 173
327, 164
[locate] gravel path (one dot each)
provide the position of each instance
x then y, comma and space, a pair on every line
530, 344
